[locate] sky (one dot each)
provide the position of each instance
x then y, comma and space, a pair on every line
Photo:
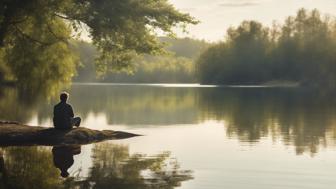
216, 16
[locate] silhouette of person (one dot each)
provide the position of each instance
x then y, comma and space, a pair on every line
63, 157
63, 114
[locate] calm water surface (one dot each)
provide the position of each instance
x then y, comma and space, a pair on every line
194, 137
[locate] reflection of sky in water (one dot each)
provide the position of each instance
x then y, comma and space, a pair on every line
228, 138
82, 162
218, 162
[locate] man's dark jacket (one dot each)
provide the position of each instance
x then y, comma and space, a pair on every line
62, 115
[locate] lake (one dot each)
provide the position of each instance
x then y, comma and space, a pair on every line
194, 137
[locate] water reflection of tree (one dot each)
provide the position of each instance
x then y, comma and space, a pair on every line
297, 117
16, 105
29, 167
137, 105
121, 105
113, 166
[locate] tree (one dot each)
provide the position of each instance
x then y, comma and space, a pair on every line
241, 59
120, 29
176, 66
300, 50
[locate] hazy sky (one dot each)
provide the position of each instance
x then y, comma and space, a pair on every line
217, 15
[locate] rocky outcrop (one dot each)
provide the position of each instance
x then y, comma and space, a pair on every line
13, 133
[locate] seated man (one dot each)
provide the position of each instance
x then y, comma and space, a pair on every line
63, 114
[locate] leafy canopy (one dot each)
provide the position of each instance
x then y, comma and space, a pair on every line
301, 50
120, 29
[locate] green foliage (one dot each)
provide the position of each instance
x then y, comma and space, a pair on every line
35, 35
302, 49
236, 60
185, 47
87, 53
38, 66
168, 69
175, 67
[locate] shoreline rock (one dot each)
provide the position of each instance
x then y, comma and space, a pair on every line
16, 134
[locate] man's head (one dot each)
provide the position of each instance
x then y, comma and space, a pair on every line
64, 96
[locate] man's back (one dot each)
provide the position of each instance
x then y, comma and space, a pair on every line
62, 115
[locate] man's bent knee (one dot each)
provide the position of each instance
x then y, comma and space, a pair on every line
77, 121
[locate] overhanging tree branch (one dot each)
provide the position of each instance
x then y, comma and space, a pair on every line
26, 36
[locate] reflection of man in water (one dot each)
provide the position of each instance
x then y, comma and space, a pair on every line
3, 172
63, 114
63, 157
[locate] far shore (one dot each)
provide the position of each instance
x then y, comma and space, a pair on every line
197, 85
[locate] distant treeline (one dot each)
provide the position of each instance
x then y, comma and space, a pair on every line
302, 49
177, 66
